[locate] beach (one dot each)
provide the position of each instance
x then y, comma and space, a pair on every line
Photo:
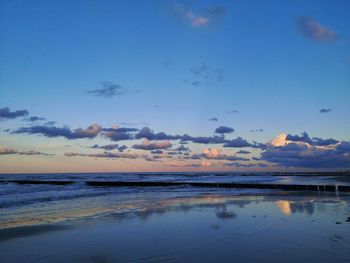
175, 224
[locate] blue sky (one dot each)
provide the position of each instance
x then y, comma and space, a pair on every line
173, 65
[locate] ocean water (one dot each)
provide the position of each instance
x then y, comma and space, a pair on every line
22, 205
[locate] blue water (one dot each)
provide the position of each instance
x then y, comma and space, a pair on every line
33, 204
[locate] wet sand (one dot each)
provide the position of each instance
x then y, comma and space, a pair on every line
203, 228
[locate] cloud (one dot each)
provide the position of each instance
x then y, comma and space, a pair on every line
6, 113
296, 138
224, 129
232, 111
107, 155
108, 147
323, 142
147, 133
325, 110
108, 90
239, 142
243, 152
301, 151
257, 130
157, 152
204, 18
305, 138
119, 134
9, 151
182, 148
246, 165
6, 151
312, 29
194, 165
213, 119
203, 69
152, 145
215, 154
51, 131
122, 148
35, 118
50, 123
204, 73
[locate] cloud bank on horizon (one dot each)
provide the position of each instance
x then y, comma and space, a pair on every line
285, 151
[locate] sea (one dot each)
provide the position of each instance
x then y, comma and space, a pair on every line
32, 204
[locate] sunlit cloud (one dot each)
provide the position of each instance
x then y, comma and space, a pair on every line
9, 151
203, 18
312, 29
302, 151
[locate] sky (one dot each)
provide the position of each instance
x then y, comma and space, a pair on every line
124, 86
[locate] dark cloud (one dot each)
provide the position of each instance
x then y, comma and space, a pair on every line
182, 148
224, 129
153, 145
108, 147
107, 155
206, 140
157, 152
119, 134
296, 138
108, 90
257, 130
243, 152
35, 118
312, 29
246, 165
239, 142
232, 111
305, 138
122, 148
6, 113
213, 119
50, 123
325, 110
52, 131
147, 133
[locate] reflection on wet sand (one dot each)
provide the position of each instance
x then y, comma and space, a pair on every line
284, 205
202, 228
306, 205
145, 207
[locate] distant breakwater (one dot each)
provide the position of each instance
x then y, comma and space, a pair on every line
287, 187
